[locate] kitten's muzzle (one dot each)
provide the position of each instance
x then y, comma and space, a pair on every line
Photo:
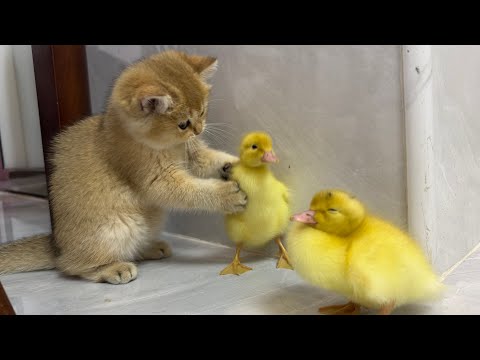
198, 129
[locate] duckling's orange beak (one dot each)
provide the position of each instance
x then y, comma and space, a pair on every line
269, 157
306, 217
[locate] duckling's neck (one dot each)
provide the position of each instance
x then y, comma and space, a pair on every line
345, 230
355, 226
262, 169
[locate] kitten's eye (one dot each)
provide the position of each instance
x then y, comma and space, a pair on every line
332, 211
254, 147
184, 125
202, 113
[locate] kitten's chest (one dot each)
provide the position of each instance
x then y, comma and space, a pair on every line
179, 153
175, 155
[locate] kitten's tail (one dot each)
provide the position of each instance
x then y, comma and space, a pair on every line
28, 254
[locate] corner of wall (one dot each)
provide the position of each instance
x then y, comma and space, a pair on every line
418, 102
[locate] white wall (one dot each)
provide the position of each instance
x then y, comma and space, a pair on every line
27, 94
335, 114
19, 122
456, 89
11, 128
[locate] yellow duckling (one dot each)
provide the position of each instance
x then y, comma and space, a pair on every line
338, 246
266, 216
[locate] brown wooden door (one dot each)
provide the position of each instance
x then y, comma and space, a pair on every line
5, 306
61, 77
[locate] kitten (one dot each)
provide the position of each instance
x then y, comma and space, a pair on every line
115, 174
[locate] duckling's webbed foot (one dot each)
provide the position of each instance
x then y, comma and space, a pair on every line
236, 267
283, 261
345, 309
387, 309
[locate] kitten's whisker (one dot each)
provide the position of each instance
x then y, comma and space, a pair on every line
216, 138
217, 131
220, 130
218, 142
214, 132
219, 123
216, 127
224, 136
192, 146
195, 146
188, 147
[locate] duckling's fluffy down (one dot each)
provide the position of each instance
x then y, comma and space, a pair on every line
375, 265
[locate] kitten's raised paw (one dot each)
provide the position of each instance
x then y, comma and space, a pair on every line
233, 198
157, 250
118, 273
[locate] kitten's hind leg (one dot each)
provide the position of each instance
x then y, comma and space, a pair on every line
156, 250
115, 273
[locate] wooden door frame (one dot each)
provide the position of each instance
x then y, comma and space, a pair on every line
61, 79
5, 305
3, 171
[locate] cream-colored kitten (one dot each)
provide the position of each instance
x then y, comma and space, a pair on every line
115, 174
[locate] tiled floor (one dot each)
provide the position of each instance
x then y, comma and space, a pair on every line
188, 282
22, 216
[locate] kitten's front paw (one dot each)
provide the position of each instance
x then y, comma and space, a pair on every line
228, 164
233, 198
157, 250
119, 273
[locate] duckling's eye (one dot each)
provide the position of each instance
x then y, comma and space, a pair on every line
332, 211
184, 125
254, 146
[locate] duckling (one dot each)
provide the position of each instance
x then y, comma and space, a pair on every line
339, 246
266, 216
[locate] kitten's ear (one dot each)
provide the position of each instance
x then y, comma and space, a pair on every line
158, 104
206, 66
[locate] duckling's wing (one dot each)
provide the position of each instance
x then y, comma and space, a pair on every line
286, 195
386, 265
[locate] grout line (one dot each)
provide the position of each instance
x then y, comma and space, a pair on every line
449, 271
191, 238
24, 195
